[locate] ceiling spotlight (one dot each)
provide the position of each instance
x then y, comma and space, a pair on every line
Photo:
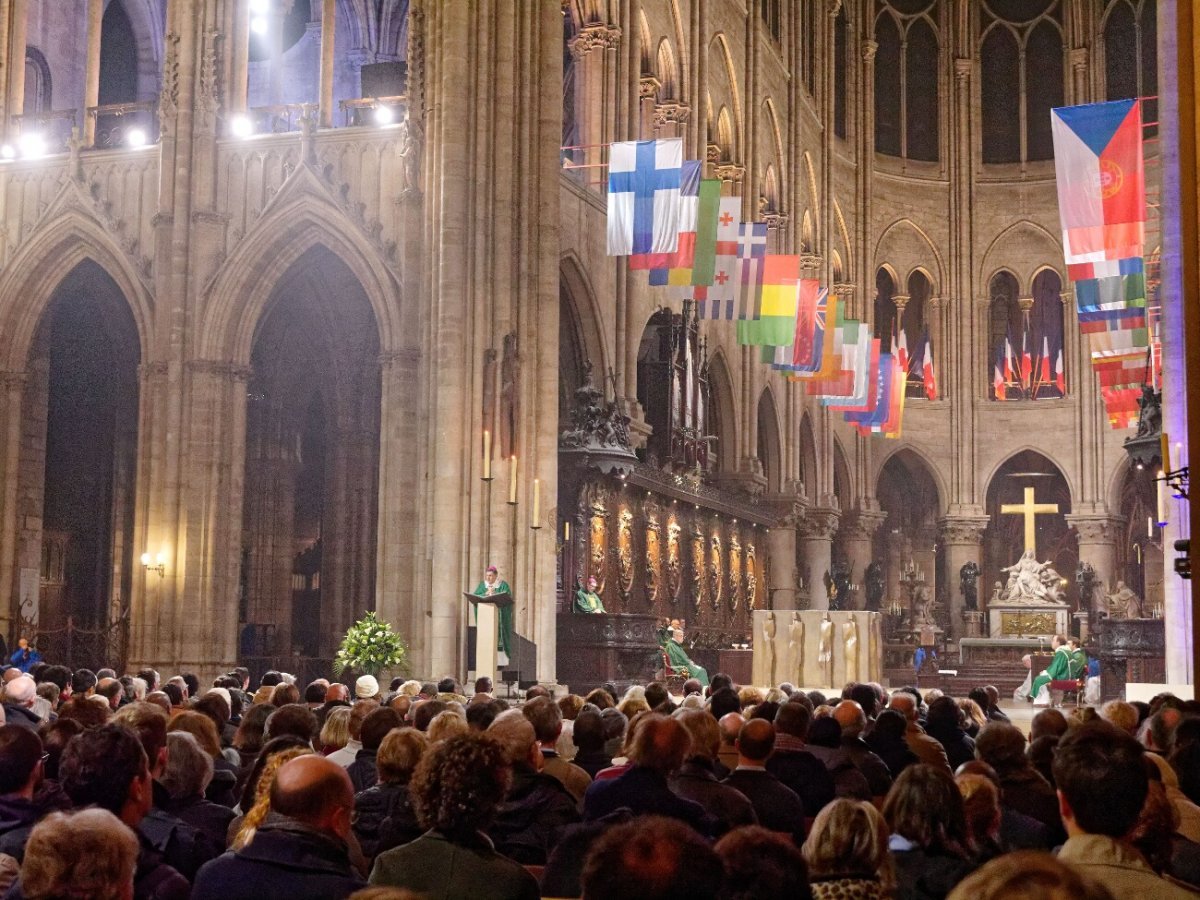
240, 126
32, 146
384, 115
258, 24
136, 137
260, 7
8, 151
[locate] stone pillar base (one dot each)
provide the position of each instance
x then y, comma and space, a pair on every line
1084, 625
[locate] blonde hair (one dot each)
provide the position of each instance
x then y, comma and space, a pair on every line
447, 724
1029, 875
631, 706
750, 696
399, 753
200, 727
972, 711
981, 806
89, 855
410, 688
1123, 715
262, 796
336, 730
849, 837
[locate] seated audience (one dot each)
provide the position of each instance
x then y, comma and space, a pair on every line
850, 715
792, 761
847, 853
888, 740
457, 789
652, 858
375, 727
1102, 787
945, 724
929, 840
90, 853
335, 733
222, 789
588, 737
776, 805
186, 776
981, 807
547, 721
762, 865
301, 850
1029, 875
697, 780
928, 750
1002, 746
384, 816
21, 773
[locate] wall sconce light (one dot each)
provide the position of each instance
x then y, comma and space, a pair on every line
159, 566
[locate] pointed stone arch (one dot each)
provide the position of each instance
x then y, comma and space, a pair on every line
770, 448
574, 281
809, 471
289, 229
53, 251
724, 423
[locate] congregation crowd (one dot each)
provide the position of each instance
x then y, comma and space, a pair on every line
136, 787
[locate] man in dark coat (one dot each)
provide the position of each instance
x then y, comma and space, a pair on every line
697, 780
777, 806
659, 749
20, 775
300, 852
793, 764
363, 771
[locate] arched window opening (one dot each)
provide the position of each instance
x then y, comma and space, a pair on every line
1004, 324
907, 117
39, 92
885, 309
915, 326
1130, 31
841, 31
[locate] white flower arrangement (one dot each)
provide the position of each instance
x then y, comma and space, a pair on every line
370, 647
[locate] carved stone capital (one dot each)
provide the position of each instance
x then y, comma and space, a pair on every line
811, 260
712, 153
844, 289
731, 172
220, 369
834, 7
1093, 529
901, 301
775, 221
862, 525
1025, 303
597, 36
962, 67
408, 358
818, 524
649, 87
936, 302
966, 530
869, 49
1078, 57
671, 112
1066, 296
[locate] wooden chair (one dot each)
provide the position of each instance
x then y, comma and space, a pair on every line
673, 678
1061, 688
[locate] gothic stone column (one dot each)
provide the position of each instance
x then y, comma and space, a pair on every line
781, 556
962, 542
858, 535
1097, 545
816, 552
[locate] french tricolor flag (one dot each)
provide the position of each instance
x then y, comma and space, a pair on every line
1101, 180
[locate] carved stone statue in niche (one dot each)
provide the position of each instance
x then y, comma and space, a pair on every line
796, 645
751, 578
698, 567
850, 641
674, 562
837, 586
715, 572
1124, 603
825, 650
653, 552
625, 552
768, 637
1088, 583
875, 587
735, 571
510, 397
412, 141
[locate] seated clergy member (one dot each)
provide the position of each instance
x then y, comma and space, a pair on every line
679, 659
1102, 785
587, 600
301, 850
1058, 670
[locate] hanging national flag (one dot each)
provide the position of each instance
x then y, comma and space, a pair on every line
776, 324
865, 391
831, 344
708, 215
902, 349
1012, 372
931, 391
643, 196
889, 371
890, 427
850, 348
661, 264
1121, 405
722, 289
800, 352
1045, 373
1107, 268
999, 381
1101, 180
1060, 377
808, 359
751, 251
1026, 361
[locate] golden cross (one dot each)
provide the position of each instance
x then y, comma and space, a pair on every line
1030, 511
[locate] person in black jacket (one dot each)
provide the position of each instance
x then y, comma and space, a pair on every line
697, 779
184, 780
930, 841
886, 741
20, 774
536, 808
375, 727
777, 806
793, 764
300, 851
384, 816
944, 723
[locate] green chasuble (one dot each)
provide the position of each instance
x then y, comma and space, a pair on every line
1058, 670
679, 660
588, 602
1078, 663
504, 639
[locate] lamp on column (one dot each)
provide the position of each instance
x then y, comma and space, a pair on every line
159, 564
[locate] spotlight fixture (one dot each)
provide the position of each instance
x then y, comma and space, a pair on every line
240, 126
258, 24
8, 151
384, 115
260, 7
136, 137
32, 146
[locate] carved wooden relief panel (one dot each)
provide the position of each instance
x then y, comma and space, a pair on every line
625, 552
716, 580
751, 578
735, 571
674, 561
653, 551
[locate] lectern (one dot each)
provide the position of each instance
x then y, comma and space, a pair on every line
486, 620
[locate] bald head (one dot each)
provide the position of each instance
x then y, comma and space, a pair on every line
851, 717
315, 791
337, 693
756, 741
905, 704
21, 691
731, 726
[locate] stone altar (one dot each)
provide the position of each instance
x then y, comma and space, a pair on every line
1031, 603
1008, 621
810, 646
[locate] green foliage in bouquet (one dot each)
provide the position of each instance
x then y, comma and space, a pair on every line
370, 647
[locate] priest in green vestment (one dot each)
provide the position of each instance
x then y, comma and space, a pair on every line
492, 584
1079, 659
1058, 670
587, 600
679, 660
